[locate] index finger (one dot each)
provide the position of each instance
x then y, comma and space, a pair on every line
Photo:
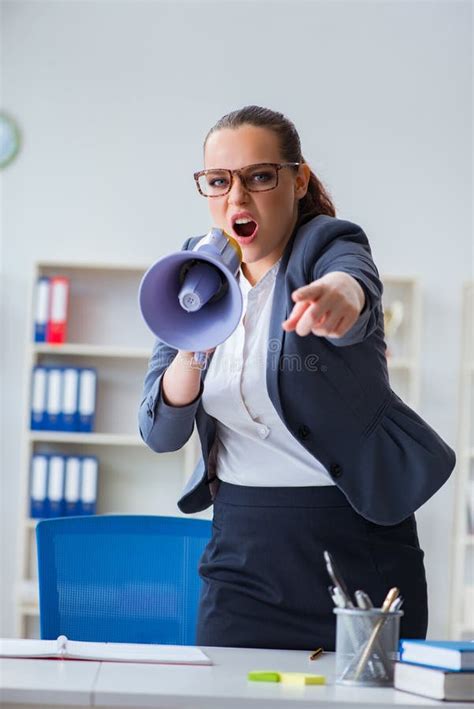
312, 291
292, 320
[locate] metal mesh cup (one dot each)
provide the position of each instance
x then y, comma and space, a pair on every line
366, 646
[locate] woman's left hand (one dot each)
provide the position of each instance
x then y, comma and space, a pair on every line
327, 307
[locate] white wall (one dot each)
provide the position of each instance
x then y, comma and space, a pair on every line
114, 100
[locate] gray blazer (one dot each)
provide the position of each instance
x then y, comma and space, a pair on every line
333, 395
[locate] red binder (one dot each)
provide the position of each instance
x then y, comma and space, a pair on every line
58, 303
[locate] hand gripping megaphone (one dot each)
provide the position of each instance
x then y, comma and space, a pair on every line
191, 300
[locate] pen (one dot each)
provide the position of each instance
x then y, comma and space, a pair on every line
364, 602
340, 602
391, 596
396, 605
337, 579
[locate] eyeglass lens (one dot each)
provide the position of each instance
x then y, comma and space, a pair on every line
256, 179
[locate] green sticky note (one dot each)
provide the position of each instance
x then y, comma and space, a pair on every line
263, 676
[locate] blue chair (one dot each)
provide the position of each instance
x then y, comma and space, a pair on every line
120, 578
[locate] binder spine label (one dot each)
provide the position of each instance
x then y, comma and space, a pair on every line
38, 486
53, 400
72, 487
87, 397
89, 471
56, 485
38, 399
70, 393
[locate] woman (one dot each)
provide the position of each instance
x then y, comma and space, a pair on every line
305, 446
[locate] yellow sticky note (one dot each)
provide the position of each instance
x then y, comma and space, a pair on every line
301, 678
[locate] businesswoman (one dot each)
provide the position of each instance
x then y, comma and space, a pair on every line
305, 447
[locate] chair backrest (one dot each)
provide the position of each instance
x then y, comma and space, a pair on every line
120, 578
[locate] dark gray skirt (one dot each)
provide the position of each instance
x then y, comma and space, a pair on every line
265, 583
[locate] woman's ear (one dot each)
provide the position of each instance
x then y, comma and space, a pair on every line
302, 180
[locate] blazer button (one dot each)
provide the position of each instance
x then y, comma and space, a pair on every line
303, 432
335, 470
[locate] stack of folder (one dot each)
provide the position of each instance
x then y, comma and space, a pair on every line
436, 669
63, 399
51, 304
63, 485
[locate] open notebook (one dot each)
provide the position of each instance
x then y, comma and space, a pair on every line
62, 648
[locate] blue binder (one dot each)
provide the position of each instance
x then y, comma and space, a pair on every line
56, 468
89, 475
38, 485
72, 487
69, 414
39, 387
87, 399
53, 399
41, 306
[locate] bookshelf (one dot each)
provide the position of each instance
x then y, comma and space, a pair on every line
402, 314
462, 588
106, 331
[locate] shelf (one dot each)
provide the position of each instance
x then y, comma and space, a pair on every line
387, 279
83, 350
89, 266
93, 439
400, 363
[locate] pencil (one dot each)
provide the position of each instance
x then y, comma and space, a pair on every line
316, 653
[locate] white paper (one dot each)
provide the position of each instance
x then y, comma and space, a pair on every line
113, 652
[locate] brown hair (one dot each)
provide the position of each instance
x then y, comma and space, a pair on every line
317, 200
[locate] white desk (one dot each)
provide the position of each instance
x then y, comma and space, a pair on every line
224, 685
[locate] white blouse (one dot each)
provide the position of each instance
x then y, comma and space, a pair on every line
253, 445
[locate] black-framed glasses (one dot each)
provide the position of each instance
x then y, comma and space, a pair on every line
261, 177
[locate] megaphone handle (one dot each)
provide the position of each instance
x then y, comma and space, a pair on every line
200, 358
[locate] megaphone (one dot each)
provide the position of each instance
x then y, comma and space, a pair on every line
191, 300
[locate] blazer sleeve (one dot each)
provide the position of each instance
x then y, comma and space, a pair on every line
164, 428
348, 250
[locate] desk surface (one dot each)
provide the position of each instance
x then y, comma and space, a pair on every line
224, 685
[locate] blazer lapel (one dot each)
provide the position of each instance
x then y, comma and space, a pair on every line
276, 334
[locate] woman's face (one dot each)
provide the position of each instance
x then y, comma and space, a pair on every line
273, 213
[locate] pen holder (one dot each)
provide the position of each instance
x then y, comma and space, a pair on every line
366, 646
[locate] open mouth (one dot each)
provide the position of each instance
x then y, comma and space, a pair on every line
245, 228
